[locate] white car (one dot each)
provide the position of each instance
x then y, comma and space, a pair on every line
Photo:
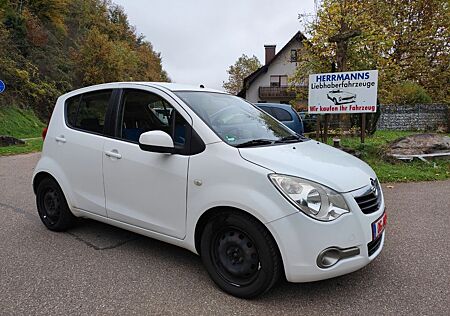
209, 172
341, 97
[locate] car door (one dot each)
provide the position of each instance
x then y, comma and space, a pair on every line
142, 188
79, 148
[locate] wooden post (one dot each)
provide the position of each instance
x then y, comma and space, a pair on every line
363, 127
325, 129
318, 127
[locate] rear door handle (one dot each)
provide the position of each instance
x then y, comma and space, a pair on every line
60, 139
113, 153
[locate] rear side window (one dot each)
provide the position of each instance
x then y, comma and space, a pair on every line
266, 109
88, 111
281, 114
72, 109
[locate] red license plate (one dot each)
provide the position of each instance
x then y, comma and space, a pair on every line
378, 226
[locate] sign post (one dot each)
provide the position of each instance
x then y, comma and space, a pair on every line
344, 92
2, 86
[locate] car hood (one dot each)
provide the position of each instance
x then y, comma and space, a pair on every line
314, 161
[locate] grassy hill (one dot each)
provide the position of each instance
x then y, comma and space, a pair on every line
19, 123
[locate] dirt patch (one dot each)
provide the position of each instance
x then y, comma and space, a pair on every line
10, 141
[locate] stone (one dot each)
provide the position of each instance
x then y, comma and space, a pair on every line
10, 141
419, 144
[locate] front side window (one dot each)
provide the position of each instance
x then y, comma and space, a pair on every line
87, 112
237, 122
144, 111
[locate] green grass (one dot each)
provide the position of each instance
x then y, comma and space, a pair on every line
396, 171
21, 124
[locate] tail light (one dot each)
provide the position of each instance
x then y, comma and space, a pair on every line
44, 133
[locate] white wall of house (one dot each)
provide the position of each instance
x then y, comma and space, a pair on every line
281, 65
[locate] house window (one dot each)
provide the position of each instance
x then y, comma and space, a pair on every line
278, 81
293, 55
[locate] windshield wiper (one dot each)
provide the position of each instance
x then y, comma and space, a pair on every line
255, 142
290, 139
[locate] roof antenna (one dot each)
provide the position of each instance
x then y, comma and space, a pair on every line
202, 86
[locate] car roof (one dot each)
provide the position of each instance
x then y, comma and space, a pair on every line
177, 86
173, 87
169, 86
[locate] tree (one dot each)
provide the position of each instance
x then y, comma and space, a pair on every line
49, 47
406, 40
243, 67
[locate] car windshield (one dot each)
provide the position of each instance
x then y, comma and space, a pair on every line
236, 121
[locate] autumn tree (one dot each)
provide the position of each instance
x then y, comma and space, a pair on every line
48, 47
243, 67
404, 40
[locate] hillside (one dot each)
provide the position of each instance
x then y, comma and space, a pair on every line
49, 47
19, 123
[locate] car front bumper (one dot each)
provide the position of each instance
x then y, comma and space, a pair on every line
301, 239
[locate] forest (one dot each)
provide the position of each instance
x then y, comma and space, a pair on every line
49, 47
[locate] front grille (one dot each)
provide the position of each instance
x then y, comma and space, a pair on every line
370, 201
373, 246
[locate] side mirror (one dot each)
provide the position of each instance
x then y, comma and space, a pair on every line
156, 141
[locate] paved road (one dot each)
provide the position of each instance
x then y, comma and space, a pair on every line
98, 269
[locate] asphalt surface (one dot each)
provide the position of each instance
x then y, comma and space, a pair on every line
98, 269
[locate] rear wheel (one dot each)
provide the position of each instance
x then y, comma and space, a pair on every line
52, 206
240, 255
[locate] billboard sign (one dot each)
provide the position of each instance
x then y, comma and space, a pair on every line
343, 92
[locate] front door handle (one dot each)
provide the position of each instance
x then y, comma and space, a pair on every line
60, 139
113, 153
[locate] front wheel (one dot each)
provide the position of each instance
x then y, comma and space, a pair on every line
240, 255
52, 206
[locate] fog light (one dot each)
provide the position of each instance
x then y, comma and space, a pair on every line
330, 256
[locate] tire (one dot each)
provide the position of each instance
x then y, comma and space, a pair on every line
240, 255
52, 206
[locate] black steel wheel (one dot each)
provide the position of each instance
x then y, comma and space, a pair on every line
240, 254
235, 256
52, 206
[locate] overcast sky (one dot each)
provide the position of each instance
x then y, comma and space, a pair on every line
199, 39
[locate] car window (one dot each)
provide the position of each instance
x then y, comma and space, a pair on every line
143, 111
267, 109
88, 111
281, 114
72, 109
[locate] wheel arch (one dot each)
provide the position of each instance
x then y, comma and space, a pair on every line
43, 174
37, 179
208, 214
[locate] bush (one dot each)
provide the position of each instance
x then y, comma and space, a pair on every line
408, 92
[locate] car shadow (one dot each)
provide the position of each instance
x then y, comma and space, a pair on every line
103, 237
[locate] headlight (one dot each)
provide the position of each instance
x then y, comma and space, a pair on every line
313, 199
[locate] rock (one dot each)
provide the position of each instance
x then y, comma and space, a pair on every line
419, 144
10, 141
351, 151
